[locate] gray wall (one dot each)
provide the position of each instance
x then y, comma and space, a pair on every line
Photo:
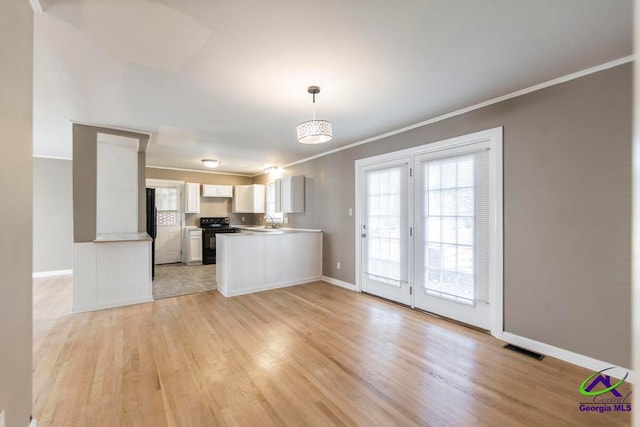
16, 106
209, 206
84, 183
567, 191
52, 215
85, 139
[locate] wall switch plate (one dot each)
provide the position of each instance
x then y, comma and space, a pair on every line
350, 212
338, 265
242, 219
286, 220
2, 418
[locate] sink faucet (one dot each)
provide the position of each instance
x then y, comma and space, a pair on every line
273, 223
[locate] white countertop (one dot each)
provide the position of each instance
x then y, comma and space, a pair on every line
122, 237
260, 229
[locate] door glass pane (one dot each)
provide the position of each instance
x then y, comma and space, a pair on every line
434, 203
449, 235
464, 202
449, 230
464, 231
167, 199
433, 231
167, 218
386, 240
449, 202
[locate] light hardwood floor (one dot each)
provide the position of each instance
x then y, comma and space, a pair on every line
313, 354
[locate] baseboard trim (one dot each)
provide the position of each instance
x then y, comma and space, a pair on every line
52, 273
111, 304
339, 283
564, 355
269, 287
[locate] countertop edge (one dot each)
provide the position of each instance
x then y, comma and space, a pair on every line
122, 237
283, 229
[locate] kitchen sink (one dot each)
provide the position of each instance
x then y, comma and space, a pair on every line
263, 229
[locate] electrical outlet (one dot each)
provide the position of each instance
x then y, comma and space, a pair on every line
286, 220
242, 219
350, 212
338, 265
2, 418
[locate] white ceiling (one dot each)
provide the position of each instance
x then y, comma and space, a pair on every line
228, 80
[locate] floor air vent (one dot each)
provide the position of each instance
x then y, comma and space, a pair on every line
523, 351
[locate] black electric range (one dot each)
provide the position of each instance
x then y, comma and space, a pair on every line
210, 227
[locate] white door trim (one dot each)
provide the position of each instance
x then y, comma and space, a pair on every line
154, 182
494, 138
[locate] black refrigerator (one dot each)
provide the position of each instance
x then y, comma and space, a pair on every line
151, 226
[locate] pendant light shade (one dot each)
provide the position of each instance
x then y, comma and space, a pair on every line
314, 131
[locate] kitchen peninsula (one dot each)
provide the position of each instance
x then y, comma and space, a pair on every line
253, 261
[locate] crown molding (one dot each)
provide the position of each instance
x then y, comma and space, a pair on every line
200, 171
549, 83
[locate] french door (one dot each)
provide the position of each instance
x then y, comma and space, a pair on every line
452, 235
430, 228
384, 230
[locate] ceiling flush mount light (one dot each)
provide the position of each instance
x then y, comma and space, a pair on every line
271, 169
314, 131
211, 163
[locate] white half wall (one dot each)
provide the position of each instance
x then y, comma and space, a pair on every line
111, 274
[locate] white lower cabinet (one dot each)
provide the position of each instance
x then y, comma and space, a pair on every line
192, 253
277, 260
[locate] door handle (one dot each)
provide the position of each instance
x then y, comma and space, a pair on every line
363, 235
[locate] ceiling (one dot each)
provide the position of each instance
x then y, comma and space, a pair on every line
228, 80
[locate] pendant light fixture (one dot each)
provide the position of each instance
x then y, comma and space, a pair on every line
314, 131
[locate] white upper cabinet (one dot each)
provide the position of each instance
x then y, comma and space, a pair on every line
249, 198
192, 199
209, 190
290, 197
